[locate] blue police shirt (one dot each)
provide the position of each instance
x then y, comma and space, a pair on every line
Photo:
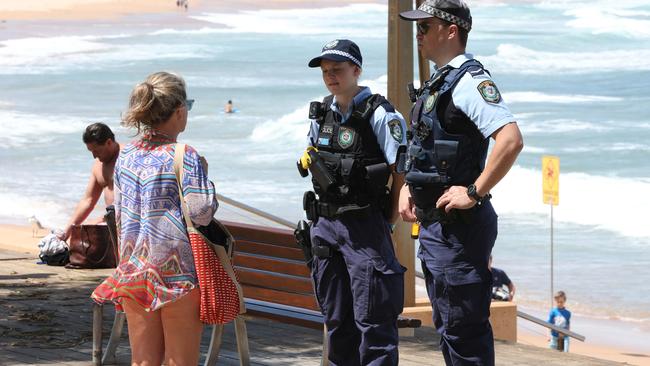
484, 111
379, 121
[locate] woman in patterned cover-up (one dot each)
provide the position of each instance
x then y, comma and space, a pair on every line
155, 282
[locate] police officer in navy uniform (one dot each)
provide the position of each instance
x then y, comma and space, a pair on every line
353, 141
448, 182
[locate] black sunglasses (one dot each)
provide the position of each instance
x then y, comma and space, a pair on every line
189, 103
423, 27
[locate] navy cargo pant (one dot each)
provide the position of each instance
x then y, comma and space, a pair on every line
360, 289
455, 265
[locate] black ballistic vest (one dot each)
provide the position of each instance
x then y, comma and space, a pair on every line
446, 147
352, 154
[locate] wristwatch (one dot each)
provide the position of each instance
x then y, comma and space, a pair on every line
472, 193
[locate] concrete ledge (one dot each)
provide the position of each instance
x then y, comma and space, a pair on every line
503, 317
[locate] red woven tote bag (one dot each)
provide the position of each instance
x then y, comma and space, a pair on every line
222, 299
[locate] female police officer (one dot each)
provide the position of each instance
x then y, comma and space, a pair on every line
358, 281
448, 182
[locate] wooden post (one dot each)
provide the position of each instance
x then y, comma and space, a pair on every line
400, 73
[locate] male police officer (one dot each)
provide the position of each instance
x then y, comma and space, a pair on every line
448, 184
358, 281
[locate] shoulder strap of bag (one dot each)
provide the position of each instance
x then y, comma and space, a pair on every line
179, 153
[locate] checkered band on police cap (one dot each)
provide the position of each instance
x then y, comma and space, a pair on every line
453, 11
339, 50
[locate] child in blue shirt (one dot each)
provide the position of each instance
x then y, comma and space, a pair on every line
560, 317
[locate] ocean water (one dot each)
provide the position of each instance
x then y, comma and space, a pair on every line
576, 74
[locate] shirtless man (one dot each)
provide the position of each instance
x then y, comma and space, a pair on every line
100, 141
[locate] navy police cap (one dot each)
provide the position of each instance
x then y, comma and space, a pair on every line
338, 50
453, 11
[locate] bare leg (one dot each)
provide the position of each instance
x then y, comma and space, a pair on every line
145, 335
182, 330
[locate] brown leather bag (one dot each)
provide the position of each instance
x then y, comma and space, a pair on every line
91, 246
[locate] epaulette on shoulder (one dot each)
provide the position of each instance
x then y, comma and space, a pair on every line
379, 100
477, 72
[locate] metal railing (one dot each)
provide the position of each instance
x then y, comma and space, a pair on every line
256, 211
548, 325
419, 274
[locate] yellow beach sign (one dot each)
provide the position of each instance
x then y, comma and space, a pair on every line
551, 180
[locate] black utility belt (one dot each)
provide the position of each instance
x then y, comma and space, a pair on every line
316, 208
333, 210
433, 214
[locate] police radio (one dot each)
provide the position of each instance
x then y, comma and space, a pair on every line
412, 92
316, 110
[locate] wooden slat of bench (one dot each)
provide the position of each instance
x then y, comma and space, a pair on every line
269, 249
281, 297
284, 313
284, 319
275, 281
285, 266
281, 237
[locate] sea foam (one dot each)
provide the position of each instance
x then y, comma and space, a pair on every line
51, 55
610, 203
539, 97
513, 58
26, 129
327, 21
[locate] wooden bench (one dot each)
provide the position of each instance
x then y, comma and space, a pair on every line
276, 282
272, 271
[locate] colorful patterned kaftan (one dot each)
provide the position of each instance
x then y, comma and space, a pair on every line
156, 263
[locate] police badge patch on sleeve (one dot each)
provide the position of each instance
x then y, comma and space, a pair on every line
396, 131
489, 91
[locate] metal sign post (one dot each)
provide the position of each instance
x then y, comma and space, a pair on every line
551, 195
552, 256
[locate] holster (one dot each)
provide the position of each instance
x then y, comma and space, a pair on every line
433, 214
309, 205
322, 251
302, 235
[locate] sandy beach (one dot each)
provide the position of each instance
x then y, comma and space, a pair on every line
81, 10
602, 351
111, 9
